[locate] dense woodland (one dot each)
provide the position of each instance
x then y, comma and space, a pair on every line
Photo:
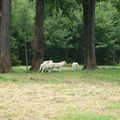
63, 31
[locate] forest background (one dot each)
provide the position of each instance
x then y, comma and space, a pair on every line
63, 31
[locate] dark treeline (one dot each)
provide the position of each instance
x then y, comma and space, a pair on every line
63, 31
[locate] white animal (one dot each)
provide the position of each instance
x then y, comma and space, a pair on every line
75, 66
49, 66
46, 66
59, 65
41, 66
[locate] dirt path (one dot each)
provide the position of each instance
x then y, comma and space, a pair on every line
45, 101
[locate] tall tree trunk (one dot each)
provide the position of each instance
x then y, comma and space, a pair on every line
89, 32
26, 56
39, 38
5, 62
0, 13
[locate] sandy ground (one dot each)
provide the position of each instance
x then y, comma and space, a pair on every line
46, 101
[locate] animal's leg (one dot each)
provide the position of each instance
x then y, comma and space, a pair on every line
40, 68
60, 70
43, 70
49, 70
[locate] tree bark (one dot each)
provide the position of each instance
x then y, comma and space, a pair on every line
0, 13
5, 62
39, 37
89, 33
0, 8
26, 56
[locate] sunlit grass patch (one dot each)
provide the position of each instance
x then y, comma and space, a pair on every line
114, 106
55, 94
1, 105
9, 115
85, 117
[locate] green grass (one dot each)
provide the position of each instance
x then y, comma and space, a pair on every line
114, 106
76, 90
86, 117
103, 73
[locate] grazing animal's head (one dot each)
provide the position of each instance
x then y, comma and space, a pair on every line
64, 63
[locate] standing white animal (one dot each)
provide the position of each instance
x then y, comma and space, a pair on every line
59, 65
46, 66
75, 66
49, 66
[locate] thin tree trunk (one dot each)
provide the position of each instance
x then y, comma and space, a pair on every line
39, 42
0, 14
89, 32
26, 56
5, 62
113, 57
66, 54
0, 8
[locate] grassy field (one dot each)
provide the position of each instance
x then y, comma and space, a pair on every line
68, 95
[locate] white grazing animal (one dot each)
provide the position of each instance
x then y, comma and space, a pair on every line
75, 66
48, 66
59, 65
44, 64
